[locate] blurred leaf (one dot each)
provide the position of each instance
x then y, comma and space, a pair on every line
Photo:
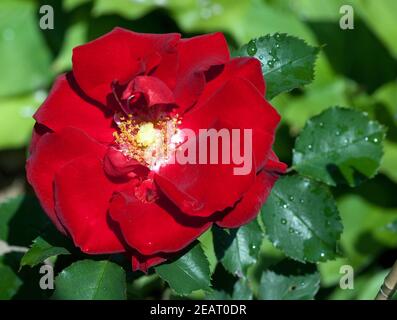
297, 110
323, 10
242, 19
40, 251
75, 35
218, 295
21, 220
188, 273
344, 48
339, 146
365, 236
389, 161
24, 56
91, 280
237, 249
275, 286
301, 218
366, 287
17, 112
381, 17
387, 95
392, 226
287, 62
72, 4
9, 282
128, 9
242, 290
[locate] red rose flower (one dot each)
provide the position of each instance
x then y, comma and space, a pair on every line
92, 163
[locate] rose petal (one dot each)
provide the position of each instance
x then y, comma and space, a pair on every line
143, 263
64, 107
245, 68
154, 90
118, 55
82, 194
154, 227
197, 55
52, 152
248, 207
238, 105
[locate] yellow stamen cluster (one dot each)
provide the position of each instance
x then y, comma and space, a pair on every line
147, 142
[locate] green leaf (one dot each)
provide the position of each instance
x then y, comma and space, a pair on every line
91, 280
21, 220
275, 286
17, 112
129, 9
339, 146
237, 249
301, 218
24, 57
75, 36
287, 62
9, 282
388, 165
385, 26
40, 251
296, 110
72, 4
218, 295
241, 19
242, 290
188, 273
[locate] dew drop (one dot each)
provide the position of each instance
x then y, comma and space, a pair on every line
270, 63
251, 48
310, 147
291, 198
261, 57
366, 139
322, 254
321, 124
302, 201
337, 133
277, 36
254, 246
285, 206
375, 140
291, 230
283, 221
277, 46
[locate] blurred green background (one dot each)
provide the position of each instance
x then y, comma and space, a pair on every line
356, 68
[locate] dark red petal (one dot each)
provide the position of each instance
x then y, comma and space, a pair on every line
82, 194
65, 108
118, 55
197, 55
117, 165
38, 131
203, 189
154, 227
143, 263
249, 206
238, 104
52, 152
154, 90
245, 68
274, 164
